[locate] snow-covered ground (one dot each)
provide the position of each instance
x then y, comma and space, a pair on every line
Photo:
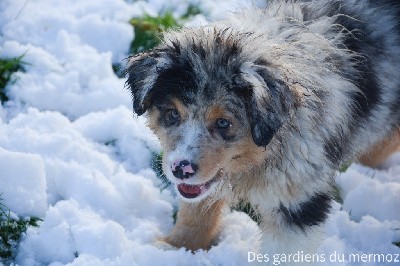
73, 154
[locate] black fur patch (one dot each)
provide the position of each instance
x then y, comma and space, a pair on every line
312, 212
136, 71
394, 5
360, 41
268, 111
177, 81
363, 42
395, 109
335, 147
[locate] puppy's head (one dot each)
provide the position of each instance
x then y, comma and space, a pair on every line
214, 105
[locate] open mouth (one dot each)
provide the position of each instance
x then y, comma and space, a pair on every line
193, 191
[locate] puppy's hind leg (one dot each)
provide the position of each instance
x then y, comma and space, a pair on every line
382, 150
197, 225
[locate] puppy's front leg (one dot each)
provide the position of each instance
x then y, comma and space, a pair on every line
197, 225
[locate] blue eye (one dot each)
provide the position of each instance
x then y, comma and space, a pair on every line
174, 114
172, 117
222, 123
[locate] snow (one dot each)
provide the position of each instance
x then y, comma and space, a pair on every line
382, 189
23, 182
73, 154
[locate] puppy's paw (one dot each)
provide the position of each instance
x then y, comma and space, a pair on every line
162, 244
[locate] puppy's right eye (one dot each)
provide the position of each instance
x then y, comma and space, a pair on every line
222, 124
172, 117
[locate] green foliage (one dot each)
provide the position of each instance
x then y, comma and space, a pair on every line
175, 215
156, 165
397, 244
337, 194
336, 190
192, 10
118, 70
7, 68
11, 231
148, 30
344, 167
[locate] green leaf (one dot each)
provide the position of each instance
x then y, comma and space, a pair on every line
8, 66
148, 30
11, 231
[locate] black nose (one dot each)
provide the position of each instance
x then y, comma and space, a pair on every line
183, 169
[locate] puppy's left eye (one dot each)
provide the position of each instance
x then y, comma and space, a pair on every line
172, 117
222, 123
222, 128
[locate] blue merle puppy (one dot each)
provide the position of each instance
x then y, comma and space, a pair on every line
265, 106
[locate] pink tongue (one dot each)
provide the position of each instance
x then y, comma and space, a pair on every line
190, 189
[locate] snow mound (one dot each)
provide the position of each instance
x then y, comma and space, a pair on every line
23, 183
371, 192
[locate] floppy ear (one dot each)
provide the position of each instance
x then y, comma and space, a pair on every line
142, 72
266, 100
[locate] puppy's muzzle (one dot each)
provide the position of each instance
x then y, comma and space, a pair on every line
183, 169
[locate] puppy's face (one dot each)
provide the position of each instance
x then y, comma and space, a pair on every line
213, 108
203, 142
